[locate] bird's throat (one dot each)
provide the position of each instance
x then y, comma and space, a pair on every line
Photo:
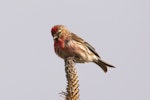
59, 43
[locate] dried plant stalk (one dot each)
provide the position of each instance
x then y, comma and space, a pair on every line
72, 79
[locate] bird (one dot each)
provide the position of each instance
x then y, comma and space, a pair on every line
68, 44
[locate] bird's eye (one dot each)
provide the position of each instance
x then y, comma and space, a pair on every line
59, 32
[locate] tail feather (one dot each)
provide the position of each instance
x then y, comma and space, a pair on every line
103, 65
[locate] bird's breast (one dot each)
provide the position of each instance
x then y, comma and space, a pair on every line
59, 44
75, 49
63, 49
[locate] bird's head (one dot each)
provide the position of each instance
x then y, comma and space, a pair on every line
59, 32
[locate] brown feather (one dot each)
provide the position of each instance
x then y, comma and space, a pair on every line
90, 47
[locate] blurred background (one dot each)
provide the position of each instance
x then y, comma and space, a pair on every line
118, 29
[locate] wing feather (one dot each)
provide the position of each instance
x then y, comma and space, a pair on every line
78, 39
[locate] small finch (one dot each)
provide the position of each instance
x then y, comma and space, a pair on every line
68, 44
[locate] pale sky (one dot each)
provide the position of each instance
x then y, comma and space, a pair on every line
118, 29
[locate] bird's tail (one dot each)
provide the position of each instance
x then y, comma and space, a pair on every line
103, 64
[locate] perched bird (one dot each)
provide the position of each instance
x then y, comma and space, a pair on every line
68, 44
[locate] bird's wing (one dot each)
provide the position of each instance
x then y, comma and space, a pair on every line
78, 39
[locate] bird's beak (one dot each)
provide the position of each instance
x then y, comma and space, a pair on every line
55, 37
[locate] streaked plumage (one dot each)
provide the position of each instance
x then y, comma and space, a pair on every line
68, 44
